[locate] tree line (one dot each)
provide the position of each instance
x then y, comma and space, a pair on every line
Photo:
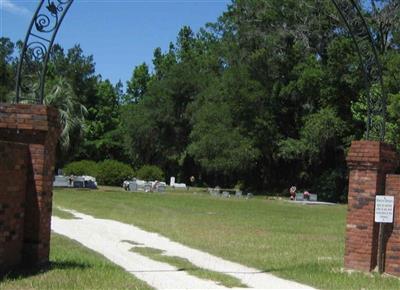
268, 96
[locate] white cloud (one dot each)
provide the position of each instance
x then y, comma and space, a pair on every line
9, 6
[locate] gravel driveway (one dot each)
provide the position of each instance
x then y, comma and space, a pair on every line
114, 240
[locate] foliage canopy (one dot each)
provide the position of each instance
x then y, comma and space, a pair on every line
270, 95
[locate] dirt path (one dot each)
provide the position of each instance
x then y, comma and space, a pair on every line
109, 238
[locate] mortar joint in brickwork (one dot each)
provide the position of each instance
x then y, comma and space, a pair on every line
35, 128
369, 162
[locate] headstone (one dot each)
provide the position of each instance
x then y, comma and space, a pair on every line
180, 185
147, 187
214, 191
125, 184
299, 196
61, 181
132, 186
90, 184
161, 187
238, 193
172, 181
249, 195
79, 182
141, 184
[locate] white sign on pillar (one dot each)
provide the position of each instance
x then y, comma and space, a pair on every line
384, 209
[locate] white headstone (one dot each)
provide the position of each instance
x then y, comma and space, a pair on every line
384, 209
172, 181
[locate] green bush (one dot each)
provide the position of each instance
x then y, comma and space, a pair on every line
113, 172
83, 167
150, 172
329, 186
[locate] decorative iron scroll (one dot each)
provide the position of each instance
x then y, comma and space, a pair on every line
364, 44
36, 50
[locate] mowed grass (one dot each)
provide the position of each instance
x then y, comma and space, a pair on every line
62, 214
185, 265
73, 267
298, 242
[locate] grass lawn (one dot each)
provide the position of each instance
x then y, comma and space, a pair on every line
73, 267
180, 263
298, 242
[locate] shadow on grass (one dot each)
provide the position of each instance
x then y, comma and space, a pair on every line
195, 269
28, 272
313, 268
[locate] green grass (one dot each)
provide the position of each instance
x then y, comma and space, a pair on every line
185, 265
73, 267
298, 242
63, 214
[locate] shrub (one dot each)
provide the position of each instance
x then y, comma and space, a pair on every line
113, 172
83, 167
150, 172
329, 186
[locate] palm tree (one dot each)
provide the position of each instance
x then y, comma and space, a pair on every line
72, 113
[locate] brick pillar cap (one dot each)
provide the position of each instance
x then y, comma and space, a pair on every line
365, 154
39, 118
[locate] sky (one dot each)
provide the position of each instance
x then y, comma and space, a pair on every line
120, 34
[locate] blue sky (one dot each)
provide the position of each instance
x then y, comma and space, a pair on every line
120, 34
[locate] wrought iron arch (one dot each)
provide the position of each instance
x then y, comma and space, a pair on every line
370, 63
50, 14
36, 50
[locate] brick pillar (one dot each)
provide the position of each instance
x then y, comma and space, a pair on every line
13, 175
368, 162
38, 127
392, 255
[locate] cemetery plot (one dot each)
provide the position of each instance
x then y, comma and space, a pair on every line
227, 192
137, 185
84, 181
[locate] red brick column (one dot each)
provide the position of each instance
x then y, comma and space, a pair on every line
392, 256
13, 174
38, 127
368, 162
